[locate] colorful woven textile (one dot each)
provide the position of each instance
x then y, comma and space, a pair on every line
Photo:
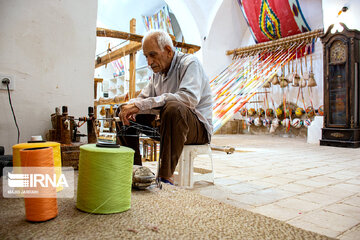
273, 19
160, 20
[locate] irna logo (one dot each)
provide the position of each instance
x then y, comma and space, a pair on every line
36, 180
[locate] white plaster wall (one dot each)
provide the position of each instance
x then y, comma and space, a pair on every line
186, 19
195, 18
203, 13
48, 46
351, 17
226, 32
312, 11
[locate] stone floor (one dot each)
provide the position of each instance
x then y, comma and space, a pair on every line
313, 187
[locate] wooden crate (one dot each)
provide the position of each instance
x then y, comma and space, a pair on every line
70, 155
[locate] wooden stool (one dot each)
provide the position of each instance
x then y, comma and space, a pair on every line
185, 169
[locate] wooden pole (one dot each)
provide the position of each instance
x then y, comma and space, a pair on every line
132, 68
121, 52
227, 149
302, 37
103, 32
96, 81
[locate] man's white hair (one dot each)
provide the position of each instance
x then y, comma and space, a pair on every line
162, 37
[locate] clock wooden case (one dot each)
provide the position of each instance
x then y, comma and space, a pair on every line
341, 88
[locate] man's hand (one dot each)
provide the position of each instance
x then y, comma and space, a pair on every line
127, 113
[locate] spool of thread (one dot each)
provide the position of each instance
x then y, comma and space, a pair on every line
36, 138
56, 155
105, 177
40, 209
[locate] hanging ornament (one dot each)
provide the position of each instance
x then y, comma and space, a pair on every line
279, 112
243, 112
296, 123
269, 112
312, 82
302, 83
288, 112
261, 112
299, 112
320, 111
310, 111
267, 84
266, 122
285, 122
302, 80
274, 124
283, 80
307, 122
249, 121
257, 122
275, 80
296, 80
251, 112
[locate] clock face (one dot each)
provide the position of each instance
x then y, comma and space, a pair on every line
338, 52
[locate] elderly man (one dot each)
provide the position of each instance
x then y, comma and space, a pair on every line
180, 90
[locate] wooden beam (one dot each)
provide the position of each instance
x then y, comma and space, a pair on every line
96, 81
195, 48
103, 32
121, 52
132, 67
301, 37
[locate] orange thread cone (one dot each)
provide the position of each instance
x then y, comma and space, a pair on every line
40, 209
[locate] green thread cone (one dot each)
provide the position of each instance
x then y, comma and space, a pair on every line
105, 177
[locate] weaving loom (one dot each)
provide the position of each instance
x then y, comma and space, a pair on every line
253, 67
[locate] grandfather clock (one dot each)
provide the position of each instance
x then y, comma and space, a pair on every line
341, 88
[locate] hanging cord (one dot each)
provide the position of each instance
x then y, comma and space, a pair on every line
287, 127
266, 104
303, 100
244, 122
309, 89
311, 102
273, 104
7, 82
112, 48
